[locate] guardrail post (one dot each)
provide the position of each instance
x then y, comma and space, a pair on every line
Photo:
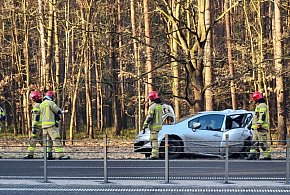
227, 160
105, 160
45, 157
287, 160
166, 160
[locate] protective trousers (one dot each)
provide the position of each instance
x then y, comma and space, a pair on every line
154, 143
260, 139
34, 139
54, 139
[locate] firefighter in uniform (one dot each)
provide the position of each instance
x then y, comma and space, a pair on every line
2, 117
49, 110
36, 132
260, 129
154, 122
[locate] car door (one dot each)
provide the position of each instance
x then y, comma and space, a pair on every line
236, 128
207, 138
168, 115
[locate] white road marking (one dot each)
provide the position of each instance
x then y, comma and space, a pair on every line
207, 178
216, 190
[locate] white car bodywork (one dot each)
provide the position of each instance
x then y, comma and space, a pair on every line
208, 139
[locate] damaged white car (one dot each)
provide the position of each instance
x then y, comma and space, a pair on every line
202, 134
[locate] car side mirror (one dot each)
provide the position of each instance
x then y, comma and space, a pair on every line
195, 126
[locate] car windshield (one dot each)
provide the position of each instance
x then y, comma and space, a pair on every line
209, 122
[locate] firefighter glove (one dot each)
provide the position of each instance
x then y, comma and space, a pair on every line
259, 127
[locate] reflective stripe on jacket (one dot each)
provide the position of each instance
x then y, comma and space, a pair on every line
261, 116
36, 117
2, 115
154, 117
48, 110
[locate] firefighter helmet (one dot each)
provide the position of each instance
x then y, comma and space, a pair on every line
35, 95
49, 94
256, 96
153, 95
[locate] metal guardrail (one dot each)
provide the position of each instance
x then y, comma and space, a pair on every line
106, 148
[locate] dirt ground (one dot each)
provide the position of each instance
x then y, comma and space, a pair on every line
79, 149
92, 149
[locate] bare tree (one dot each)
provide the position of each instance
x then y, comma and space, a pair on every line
279, 71
174, 62
43, 75
137, 62
230, 60
149, 65
207, 58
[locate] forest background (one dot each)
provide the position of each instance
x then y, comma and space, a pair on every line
102, 57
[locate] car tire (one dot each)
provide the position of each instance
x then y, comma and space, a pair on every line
147, 155
245, 150
175, 148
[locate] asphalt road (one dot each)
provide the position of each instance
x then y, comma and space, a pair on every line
142, 177
144, 169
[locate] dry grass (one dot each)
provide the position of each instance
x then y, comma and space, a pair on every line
78, 149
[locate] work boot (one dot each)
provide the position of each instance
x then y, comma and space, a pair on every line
49, 156
63, 158
252, 156
29, 156
266, 158
152, 158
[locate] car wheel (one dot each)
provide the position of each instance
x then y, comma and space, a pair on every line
147, 155
175, 148
245, 150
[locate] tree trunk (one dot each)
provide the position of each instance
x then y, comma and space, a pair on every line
65, 97
279, 71
50, 42
174, 63
113, 61
230, 60
58, 68
74, 106
43, 75
121, 78
149, 85
208, 62
99, 96
26, 62
115, 102
137, 64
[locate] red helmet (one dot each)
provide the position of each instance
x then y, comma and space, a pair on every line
35, 95
256, 96
49, 94
153, 95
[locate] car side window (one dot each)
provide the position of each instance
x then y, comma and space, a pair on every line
237, 121
212, 122
248, 121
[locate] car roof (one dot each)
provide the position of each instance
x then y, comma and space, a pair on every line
226, 112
